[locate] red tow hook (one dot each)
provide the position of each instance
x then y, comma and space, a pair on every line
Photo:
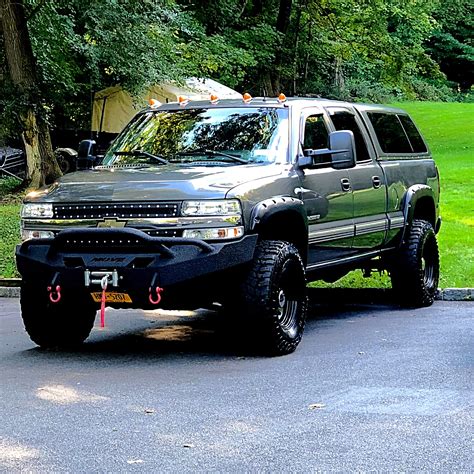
54, 295
158, 292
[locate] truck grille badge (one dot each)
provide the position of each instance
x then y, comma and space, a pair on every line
113, 222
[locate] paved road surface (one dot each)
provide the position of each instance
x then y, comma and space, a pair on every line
389, 389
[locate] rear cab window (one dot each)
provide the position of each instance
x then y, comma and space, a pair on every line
396, 133
413, 134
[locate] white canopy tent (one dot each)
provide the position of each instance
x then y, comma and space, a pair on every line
114, 107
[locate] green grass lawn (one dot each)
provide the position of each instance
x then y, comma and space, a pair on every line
9, 236
9, 225
449, 130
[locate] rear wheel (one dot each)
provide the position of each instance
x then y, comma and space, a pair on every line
415, 268
274, 298
64, 324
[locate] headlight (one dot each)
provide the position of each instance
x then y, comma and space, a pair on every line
222, 207
37, 210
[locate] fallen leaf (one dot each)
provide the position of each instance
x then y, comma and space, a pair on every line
316, 406
135, 461
188, 445
361, 353
149, 410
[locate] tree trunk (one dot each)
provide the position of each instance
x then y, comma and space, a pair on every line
41, 164
306, 61
339, 79
295, 54
283, 21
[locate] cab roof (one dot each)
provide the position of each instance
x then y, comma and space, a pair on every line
290, 102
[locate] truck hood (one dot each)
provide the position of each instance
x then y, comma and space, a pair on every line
163, 183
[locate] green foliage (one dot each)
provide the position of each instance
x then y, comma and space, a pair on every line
452, 42
83, 46
10, 188
371, 50
9, 237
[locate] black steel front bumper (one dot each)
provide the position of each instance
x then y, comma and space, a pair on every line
176, 264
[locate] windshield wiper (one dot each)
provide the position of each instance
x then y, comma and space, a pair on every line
159, 158
206, 152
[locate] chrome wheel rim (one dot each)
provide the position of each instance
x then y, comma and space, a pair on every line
287, 313
428, 265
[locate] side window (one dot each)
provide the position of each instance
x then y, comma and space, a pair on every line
390, 133
414, 136
315, 133
347, 121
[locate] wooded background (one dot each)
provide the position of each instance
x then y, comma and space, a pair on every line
56, 53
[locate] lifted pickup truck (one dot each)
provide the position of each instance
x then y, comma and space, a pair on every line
237, 202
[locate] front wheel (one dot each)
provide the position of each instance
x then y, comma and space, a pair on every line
63, 325
415, 268
274, 297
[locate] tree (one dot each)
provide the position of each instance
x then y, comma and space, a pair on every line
41, 164
57, 53
76, 47
452, 44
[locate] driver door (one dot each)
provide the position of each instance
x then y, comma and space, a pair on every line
327, 196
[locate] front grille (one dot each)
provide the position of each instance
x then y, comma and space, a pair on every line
119, 210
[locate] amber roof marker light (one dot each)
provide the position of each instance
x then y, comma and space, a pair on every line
247, 98
183, 100
154, 103
214, 99
281, 98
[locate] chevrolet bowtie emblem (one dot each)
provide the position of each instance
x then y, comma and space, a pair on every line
112, 222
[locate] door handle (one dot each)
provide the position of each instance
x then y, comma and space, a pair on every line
376, 182
345, 184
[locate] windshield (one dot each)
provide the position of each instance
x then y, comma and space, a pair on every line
223, 135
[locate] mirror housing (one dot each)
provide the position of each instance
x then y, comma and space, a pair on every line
341, 152
86, 154
342, 145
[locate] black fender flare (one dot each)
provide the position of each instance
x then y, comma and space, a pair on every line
413, 194
264, 210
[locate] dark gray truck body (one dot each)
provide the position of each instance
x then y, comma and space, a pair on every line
339, 218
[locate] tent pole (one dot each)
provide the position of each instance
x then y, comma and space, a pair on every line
102, 115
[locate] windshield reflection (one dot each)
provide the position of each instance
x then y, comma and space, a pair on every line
253, 135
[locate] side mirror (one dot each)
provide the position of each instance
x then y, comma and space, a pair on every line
342, 146
340, 154
86, 154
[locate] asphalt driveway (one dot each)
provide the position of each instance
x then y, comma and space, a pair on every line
371, 387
